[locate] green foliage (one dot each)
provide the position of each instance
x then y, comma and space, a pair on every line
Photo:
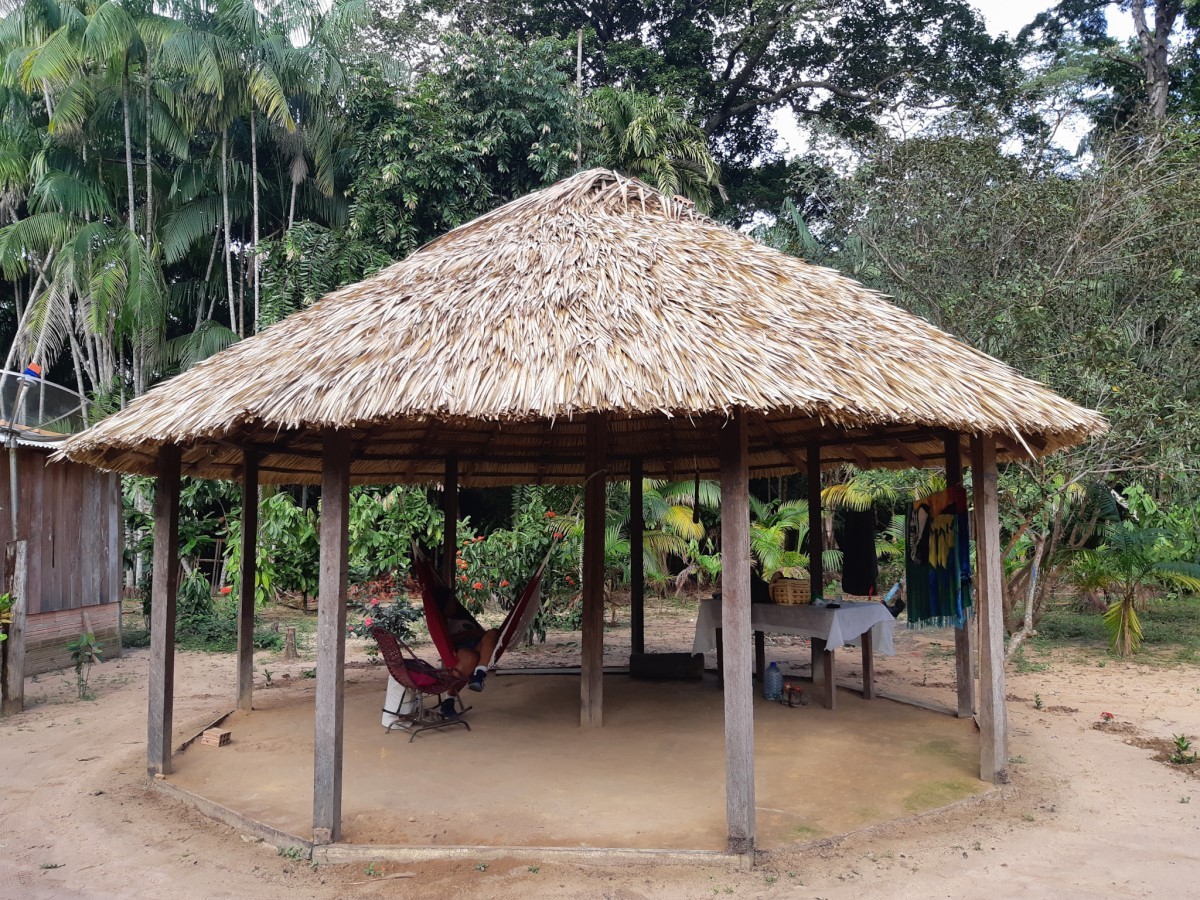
85, 652
1132, 557
6, 604
384, 524
384, 604
491, 120
203, 623
497, 568
1179, 753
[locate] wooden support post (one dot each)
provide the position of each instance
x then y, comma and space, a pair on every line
247, 582
450, 527
823, 661
816, 525
16, 568
591, 699
736, 626
637, 560
868, 665
963, 671
993, 717
331, 638
163, 594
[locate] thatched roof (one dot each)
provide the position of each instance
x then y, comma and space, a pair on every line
595, 295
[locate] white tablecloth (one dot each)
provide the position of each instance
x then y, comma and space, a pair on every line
835, 626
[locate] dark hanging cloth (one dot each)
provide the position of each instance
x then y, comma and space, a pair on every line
938, 560
860, 565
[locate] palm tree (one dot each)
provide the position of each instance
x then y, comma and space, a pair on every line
1131, 559
651, 138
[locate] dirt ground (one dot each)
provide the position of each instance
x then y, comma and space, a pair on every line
1091, 811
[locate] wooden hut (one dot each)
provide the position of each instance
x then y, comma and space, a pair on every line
69, 515
594, 330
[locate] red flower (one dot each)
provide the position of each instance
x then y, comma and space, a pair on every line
462, 563
374, 601
504, 583
570, 580
227, 589
550, 514
368, 621
478, 585
478, 539
1107, 716
557, 535
462, 577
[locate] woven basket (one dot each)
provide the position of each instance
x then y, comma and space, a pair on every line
790, 591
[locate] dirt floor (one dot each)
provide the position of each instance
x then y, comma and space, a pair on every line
1091, 811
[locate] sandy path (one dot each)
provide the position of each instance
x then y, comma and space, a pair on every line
1088, 814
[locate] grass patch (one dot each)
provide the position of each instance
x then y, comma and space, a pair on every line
803, 832
1170, 627
938, 793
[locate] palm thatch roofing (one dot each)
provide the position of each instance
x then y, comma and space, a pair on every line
596, 295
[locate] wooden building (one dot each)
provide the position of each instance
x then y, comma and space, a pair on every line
69, 515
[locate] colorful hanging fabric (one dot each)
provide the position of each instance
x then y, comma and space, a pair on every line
938, 560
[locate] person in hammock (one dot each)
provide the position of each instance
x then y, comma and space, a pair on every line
472, 642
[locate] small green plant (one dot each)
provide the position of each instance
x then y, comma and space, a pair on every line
6, 604
1185, 799
85, 652
1180, 755
267, 675
1037, 702
308, 673
480, 867
534, 869
371, 871
290, 852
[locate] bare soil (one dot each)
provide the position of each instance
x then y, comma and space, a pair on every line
1094, 810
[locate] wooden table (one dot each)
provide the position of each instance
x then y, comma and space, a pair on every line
869, 623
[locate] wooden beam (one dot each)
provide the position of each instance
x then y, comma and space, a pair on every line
331, 639
816, 528
247, 582
450, 520
16, 570
993, 717
591, 699
964, 671
163, 594
735, 634
907, 454
637, 560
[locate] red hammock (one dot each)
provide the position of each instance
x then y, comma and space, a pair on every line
513, 628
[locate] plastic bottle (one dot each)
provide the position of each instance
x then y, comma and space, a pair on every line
773, 683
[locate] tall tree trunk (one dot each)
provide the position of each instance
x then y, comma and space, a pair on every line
149, 161
254, 190
128, 146
1153, 45
233, 319
292, 205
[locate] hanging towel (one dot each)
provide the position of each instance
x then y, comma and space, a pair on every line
860, 565
938, 560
